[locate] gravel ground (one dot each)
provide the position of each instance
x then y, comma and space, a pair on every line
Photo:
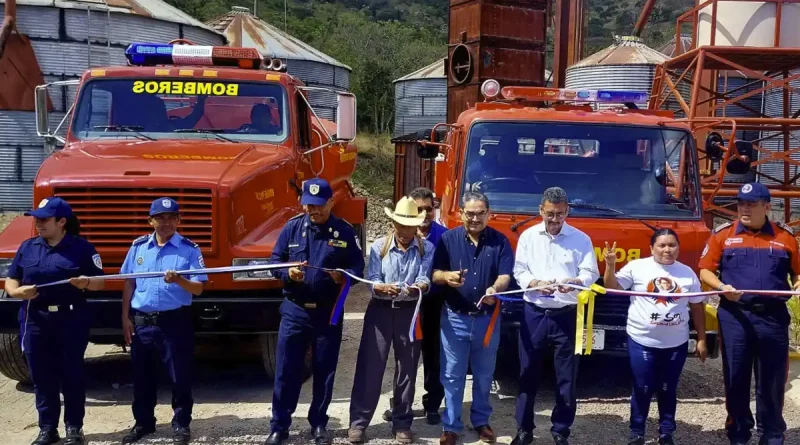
233, 400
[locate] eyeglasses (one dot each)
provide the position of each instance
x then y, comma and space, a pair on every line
474, 215
551, 215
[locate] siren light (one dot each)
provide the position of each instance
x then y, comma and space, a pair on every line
563, 94
490, 88
151, 54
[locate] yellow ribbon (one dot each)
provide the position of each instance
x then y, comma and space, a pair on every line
586, 298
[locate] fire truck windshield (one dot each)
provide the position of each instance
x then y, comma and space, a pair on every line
606, 165
181, 108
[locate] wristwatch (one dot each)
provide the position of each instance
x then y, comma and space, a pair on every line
720, 286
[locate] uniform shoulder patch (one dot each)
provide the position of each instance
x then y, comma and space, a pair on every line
141, 240
190, 242
785, 227
723, 227
98, 262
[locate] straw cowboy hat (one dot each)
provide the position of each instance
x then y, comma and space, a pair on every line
406, 212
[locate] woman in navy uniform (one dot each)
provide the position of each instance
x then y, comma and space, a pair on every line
55, 322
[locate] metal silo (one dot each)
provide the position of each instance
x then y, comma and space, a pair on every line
628, 64
68, 37
773, 107
303, 61
420, 99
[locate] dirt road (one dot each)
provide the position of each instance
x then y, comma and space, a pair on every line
233, 400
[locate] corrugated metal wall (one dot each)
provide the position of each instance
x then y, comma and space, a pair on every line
419, 104
612, 77
321, 75
773, 107
64, 55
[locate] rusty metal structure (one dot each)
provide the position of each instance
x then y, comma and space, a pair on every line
503, 40
18, 66
770, 60
303, 61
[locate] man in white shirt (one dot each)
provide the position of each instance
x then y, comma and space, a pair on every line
551, 252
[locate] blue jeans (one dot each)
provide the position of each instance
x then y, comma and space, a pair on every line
462, 346
655, 370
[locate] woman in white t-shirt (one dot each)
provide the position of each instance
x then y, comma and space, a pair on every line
658, 328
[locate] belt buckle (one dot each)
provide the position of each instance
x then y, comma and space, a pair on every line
394, 304
310, 305
53, 308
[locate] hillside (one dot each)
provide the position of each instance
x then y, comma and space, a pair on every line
386, 39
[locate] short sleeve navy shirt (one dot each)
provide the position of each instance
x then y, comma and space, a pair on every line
486, 261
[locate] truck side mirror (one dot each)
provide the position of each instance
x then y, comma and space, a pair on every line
741, 165
42, 115
345, 117
660, 174
427, 151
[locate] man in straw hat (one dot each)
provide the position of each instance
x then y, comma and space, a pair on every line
397, 261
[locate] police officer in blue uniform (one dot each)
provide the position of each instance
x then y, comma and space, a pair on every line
157, 319
54, 324
322, 240
753, 253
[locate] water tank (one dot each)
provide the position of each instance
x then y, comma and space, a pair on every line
749, 24
628, 64
68, 37
773, 107
303, 61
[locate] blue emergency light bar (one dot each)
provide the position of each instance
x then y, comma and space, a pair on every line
569, 95
153, 54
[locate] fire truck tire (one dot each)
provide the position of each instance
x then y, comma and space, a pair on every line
12, 361
269, 348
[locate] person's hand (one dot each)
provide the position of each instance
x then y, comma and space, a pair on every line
730, 293
171, 276
27, 292
538, 283
610, 255
128, 330
796, 286
454, 279
566, 289
489, 300
387, 289
336, 276
81, 282
702, 350
296, 274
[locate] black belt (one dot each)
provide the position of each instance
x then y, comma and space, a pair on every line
153, 318
756, 308
552, 312
310, 304
394, 304
62, 307
472, 312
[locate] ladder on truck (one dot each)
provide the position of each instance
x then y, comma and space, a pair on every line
98, 35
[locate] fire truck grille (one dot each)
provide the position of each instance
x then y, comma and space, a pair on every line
111, 218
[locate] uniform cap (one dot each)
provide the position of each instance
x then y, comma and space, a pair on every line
51, 207
754, 191
316, 191
164, 205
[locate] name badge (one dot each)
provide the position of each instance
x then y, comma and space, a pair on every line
294, 245
337, 243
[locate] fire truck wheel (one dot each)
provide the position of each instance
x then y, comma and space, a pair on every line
12, 361
269, 348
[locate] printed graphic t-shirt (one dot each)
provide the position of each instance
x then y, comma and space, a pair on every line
659, 322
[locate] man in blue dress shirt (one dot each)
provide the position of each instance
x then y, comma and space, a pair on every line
322, 240
157, 319
470, 261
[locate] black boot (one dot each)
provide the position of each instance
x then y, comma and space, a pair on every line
46, 437
636, 440
321, 436
523, 438
277, 438
74, 436
137, 432
182, 436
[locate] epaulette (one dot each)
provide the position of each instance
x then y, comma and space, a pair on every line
190, 242
140, 240
785, 227
723, 227
299, 215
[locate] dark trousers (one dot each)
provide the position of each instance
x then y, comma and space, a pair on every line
54, 344
299, 328
655, 370
539, 330
169, 342
431, 325
755, 342
385, 326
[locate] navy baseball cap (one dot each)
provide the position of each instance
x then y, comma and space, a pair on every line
316, 192
163, 205
51, 207
754, 191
